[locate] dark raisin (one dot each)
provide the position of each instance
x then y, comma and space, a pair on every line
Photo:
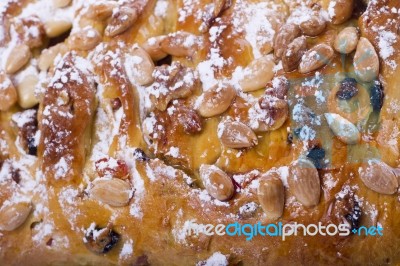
140, 155
116, 104
32, 148
16, 176
27, 125
317, 155
49, 242
112, 239
101, 240
348, 89
376, 96
297, 131
142, 261
165, 61
59, 39
354, 216
35, 224
236, 185
359, 8
289, 139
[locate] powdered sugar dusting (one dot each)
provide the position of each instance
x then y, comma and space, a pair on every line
386, 40
216, 259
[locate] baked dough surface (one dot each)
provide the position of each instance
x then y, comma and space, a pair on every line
94, 106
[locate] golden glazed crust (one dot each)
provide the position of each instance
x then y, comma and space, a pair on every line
125, 101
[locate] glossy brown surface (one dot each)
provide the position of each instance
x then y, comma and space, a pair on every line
167, 189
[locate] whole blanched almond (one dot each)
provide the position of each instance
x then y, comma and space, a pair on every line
346, 41
340, 10
153, 48
61, 3
379, 177
314, 26
216, 100
122, 19
114, 192
84, 40
304, 182
217, 183
19, 56
26, 91
315, 58
346, 131
257, 74
101, 10
271, 194
46, 58
286, 34
234, 134
13, 215
139, 66
8, 93
179, 43
293, 54
366, 61
56, 27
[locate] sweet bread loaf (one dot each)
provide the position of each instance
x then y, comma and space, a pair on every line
161, 132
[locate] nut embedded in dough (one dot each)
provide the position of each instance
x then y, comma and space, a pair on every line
304, 182
114, 192
217, 183
268, 113
315, 58
122, 19
366, 61
8, 93
180, 43
340, 10
271, 195
236, 135
346, 41
18, 57
56, 27
257, 74
14, 214
292, 56
85, 39
286, 34
346, 131
216, 100
379, 177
